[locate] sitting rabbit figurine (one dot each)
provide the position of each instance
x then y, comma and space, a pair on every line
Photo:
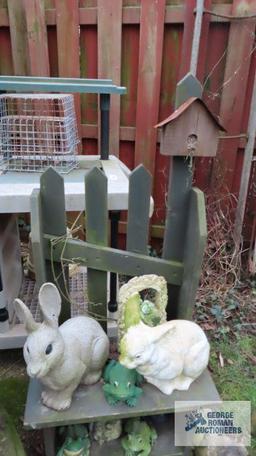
61, 357
170, 356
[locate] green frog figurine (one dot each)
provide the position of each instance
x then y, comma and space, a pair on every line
149, 313
140, 438
76, 443
121, 384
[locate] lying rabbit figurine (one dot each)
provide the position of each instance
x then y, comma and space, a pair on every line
61, 358
170, 356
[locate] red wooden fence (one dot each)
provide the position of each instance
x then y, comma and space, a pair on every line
144, 45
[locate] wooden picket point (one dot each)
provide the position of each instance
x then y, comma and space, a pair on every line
140, 184
96, 225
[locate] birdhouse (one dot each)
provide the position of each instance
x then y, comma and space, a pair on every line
192, 130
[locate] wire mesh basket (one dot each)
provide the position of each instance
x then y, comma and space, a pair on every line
38, 131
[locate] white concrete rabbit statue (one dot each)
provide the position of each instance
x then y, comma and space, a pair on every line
61, 357
170, 356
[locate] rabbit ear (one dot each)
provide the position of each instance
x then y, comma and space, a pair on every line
157, 332
25, 316
50, 303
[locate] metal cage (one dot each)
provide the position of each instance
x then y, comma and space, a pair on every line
38, 131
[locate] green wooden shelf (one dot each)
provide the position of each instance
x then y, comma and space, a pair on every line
69, 85
89, 404
164, 446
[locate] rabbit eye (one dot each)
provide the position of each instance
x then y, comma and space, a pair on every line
137, 356
28, 350
48, 349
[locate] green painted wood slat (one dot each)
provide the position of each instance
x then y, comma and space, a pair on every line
115, 260
96, 224
53, 222
179, 187
140, 185
195, 243
10, 83
89, 404
59, 80
37, 237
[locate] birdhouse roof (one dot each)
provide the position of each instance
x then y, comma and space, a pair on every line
184, 107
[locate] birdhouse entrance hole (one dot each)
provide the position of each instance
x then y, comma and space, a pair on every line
191, 143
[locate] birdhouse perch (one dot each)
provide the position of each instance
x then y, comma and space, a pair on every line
191, 130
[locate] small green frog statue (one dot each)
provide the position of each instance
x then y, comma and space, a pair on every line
76, 443
121, 384
140, 438
149, 313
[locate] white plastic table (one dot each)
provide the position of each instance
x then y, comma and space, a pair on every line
15, 191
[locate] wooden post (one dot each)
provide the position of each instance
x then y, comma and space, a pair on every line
179, 187
180, 175
49, 441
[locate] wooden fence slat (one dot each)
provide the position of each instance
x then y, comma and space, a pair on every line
68, 45
37, 38
37, 237
149, 79
140, 184
201, 174
109, 59
118, 261
6, 63
203, 47
193, 253
18, 36
96, 203
189, 20
180, 181
240, 45
54, 222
